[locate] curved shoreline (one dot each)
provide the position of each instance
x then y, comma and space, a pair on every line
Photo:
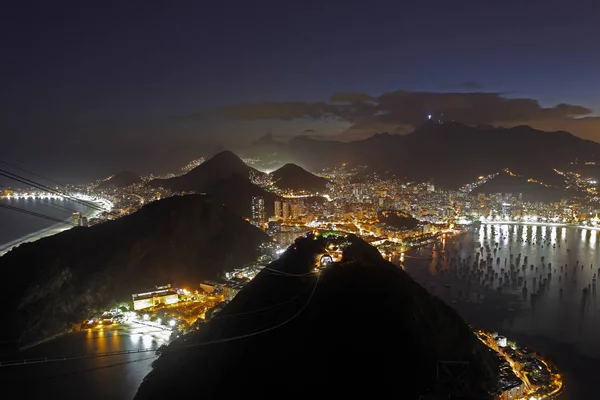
45, 232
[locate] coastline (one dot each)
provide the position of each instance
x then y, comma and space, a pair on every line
553, 224
42, 233
498, 313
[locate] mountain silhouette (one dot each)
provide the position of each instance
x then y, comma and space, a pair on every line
294, 177
120, 180
362, 328
451, 153
180, 240
222, 166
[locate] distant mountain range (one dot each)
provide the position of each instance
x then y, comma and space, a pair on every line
451, 154
294, 177
120, 180
63, 279
362, 328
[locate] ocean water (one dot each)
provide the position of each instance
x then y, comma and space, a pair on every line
15, 225
559, 312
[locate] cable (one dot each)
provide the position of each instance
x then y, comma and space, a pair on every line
39, 176
40, 186
22, 210
288, 273
170, 350
50, 205
29, 172
220, 317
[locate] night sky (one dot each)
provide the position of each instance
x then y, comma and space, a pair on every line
89, 88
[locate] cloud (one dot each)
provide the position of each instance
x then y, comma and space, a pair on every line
470, 85
283, 110
308, 131
401, 111
350, 97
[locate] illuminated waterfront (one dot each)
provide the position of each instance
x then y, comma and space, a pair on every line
558, 318
110, 377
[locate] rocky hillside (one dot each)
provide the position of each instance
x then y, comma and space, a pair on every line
60, 279
362, 328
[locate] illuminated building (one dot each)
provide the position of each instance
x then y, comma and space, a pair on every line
501, 340
154, 298
506, 211
295, 210
258, 210
278, 209
286, 210
77, 218
7, 192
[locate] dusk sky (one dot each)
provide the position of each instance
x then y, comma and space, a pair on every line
104, 86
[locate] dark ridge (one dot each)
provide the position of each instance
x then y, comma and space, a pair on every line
532, 191
224, 165
294, 177
120, 180
62, 279
236, 193
361, 329
452, 153
398, 219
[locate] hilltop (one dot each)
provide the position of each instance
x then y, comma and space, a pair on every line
62, 279
294, 177
532, 191
360, 328
226, 179
223, 165
120, 180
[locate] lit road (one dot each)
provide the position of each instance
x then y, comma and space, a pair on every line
530, 388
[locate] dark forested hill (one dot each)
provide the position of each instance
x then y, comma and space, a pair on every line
60, 279
362, 328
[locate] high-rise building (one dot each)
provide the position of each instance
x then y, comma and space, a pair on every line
295, 210
258, 210
84, 221
286, 210
278, 209
77, 218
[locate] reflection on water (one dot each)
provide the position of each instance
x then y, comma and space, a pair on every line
536, 281
114, 377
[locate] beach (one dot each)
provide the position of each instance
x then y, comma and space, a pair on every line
47, 231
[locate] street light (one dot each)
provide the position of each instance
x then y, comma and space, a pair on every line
172, 322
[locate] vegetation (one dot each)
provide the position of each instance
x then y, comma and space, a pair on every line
62, 279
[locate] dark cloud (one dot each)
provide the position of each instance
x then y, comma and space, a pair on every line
308, 131
401, 111
470, 85
350, 97
283, 110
